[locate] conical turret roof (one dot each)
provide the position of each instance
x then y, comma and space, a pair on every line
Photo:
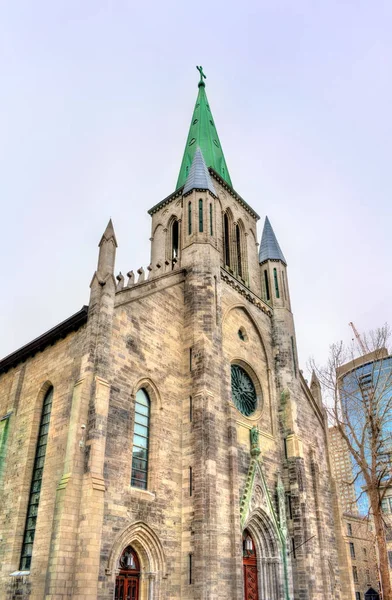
108, 234
203, 134
269, 247
199, 177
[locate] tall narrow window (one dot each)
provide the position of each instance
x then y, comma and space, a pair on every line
211, 228
266, 281
189, 218
201, 215
190, 574
226, 240
352, 550
3, 440
276, 283
35, 490
175, 239
293, 548
190, 409
239, 258
190, 481
141, 440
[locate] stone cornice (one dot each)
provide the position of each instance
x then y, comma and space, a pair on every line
167, 200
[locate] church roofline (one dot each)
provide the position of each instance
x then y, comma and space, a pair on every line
165, 201
234, 193
223, 183
46, 339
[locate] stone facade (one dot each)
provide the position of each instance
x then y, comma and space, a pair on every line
213, 471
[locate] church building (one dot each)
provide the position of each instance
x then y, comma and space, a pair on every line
162, 443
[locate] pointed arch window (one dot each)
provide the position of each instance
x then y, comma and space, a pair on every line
189, 218
226, 239
175, 239
141, 437
239, 257
35, 489
201, 215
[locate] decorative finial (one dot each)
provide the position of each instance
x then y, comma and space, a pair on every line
254, 442
202, 76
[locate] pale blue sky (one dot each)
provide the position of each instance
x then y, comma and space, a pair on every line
95, 107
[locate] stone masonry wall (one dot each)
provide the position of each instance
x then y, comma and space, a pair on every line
22, 391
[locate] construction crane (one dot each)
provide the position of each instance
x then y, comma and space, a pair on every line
360, 342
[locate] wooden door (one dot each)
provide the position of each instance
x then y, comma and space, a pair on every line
250, 582
127, 587
127, 581
251, 591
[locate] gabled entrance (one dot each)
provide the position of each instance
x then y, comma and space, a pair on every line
127, 581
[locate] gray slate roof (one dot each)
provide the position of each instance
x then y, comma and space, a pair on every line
199, 177
269, 247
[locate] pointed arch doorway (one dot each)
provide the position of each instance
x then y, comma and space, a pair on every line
249, 560
128, 578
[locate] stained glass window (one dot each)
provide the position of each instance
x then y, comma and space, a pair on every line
35, 490
141, 440
243, 391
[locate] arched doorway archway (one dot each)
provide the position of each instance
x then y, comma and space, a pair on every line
268, 554
128, 578
152, 562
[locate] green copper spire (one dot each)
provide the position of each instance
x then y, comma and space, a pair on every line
202, 133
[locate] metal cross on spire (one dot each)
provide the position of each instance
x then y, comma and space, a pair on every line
202, 76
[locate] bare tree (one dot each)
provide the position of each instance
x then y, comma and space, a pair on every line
358, 391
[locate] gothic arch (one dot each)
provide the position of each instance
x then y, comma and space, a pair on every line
269, 555
152, 560
240, 249
227, 238
151, 388
254, 323
156, 229
170, 241
147, 545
